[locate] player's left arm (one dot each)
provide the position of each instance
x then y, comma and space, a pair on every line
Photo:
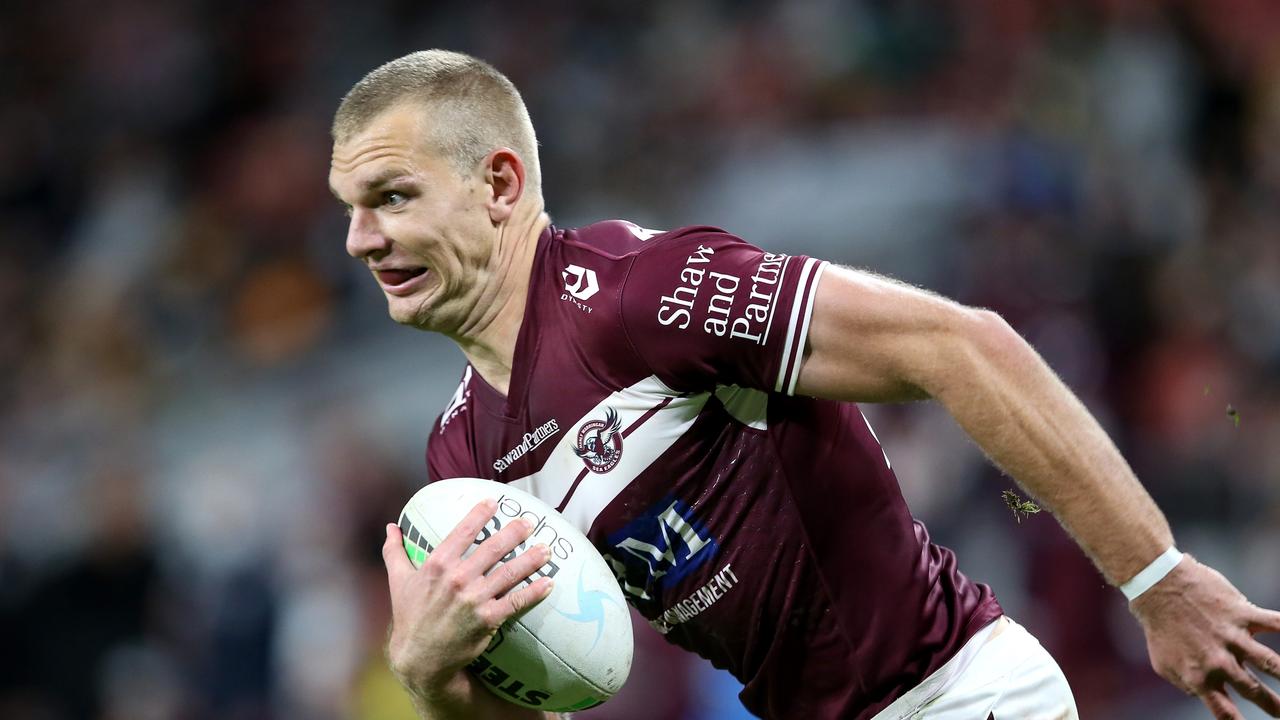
872, 339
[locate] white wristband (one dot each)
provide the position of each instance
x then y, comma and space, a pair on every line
1152, 574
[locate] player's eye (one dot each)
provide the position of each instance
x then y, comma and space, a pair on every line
394, 199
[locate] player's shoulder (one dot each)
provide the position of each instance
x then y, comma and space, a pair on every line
614, 276
622, 240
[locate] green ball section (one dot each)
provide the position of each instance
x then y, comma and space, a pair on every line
415, 545
416, 554
588, 703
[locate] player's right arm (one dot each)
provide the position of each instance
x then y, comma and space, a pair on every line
873, 339
444, 614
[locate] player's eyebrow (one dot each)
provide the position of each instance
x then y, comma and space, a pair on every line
381, 179
374, 183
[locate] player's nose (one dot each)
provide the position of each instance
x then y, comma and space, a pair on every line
364, 237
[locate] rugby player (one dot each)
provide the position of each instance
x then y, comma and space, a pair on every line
688, 401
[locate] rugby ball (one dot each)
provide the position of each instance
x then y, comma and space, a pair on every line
569, 652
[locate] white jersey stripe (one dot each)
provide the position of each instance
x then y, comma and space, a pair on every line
625, 434
791, 326
554, 483
804, 327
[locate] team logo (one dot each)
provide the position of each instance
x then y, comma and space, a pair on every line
580, 282
600, 442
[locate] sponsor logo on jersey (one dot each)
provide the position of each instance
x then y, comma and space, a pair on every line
697, 603
580, 282
658, 548
750, 323
528, 442
600, 442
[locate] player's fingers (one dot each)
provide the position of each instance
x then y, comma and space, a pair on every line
1252, 689
1220, 705
517, 601
497, 546
1264, 620
394, 557
515, 571
1261, 657
464, 533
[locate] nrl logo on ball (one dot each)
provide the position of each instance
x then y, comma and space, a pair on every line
600, 443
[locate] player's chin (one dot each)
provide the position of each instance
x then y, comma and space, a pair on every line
415, 311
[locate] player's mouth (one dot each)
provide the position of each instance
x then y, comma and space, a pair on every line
401, 281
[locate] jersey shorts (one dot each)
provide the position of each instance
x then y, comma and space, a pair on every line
1002, 673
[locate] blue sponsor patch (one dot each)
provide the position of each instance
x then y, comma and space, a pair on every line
659, 547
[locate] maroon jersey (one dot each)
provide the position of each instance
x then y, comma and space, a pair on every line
651, 402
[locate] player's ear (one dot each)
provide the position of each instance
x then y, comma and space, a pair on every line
504, 177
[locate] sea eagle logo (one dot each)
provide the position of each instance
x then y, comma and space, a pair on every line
600, 442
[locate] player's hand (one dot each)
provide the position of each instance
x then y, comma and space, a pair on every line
1200, 636
444, 614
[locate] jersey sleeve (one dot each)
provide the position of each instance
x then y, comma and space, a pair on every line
703, 308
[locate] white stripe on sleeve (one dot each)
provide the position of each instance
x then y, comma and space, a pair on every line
804, 328
796, 302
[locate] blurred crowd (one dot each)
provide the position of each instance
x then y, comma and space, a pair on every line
206, 417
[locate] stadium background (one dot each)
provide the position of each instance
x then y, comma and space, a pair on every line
206, 418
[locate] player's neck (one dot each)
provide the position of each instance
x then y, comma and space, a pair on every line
489, 341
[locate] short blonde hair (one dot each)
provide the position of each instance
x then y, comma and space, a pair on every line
476, 109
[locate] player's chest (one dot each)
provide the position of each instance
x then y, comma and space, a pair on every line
575, 427
578, 443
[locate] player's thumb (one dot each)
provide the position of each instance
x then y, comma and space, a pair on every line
393, 555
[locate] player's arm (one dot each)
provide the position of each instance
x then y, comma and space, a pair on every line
872, 339
445, 613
